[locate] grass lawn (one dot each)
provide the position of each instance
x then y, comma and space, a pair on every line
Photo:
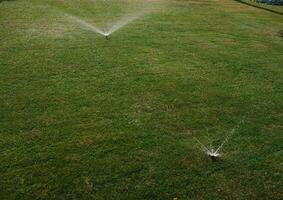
82, 117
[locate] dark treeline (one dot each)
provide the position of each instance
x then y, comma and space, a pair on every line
258, 6
271, 2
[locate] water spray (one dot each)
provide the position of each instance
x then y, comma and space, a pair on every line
209, 151
215, 154
111, 29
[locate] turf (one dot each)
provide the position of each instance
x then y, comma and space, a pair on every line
82, 117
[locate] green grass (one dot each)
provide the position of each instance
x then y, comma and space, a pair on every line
86, 118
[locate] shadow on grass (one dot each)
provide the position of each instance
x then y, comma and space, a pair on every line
257, 6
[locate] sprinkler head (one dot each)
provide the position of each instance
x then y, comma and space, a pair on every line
213, 155
213, 158
107, 37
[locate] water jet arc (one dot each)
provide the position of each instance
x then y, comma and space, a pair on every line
111, 29
214, 154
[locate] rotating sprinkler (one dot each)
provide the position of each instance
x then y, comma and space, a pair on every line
106, 36
215, 154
